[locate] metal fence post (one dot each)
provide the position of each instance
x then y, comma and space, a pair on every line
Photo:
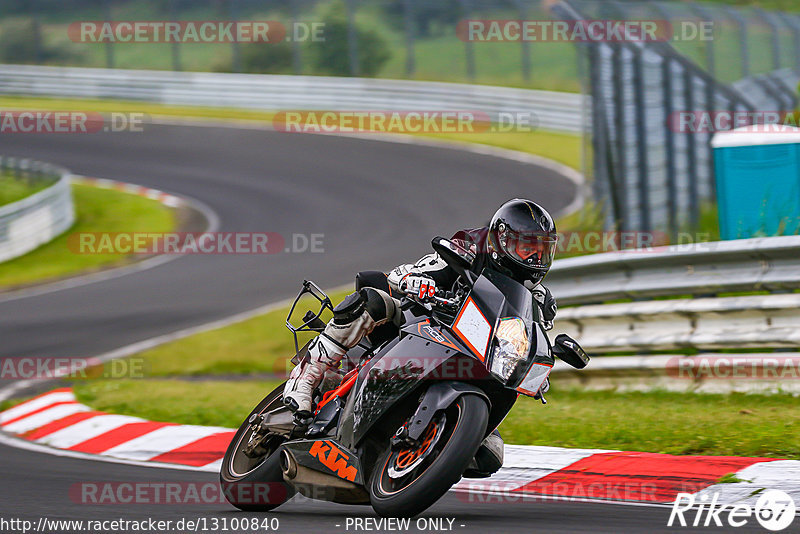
408, 24
601, 145
233, 14
669, 147
744, 51
352, 39
36, 34
176, 50
775, 35
640, 114
691, 152
707, 16
297, 58
792, 22
109, 48
619, 170
525, 49
469, 53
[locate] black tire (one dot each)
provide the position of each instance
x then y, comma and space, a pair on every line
465, 426
258, 487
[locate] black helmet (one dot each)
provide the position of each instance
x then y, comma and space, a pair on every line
522, 240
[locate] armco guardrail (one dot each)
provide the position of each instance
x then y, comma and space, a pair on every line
759, 264
37, 219
553, 111
754, 321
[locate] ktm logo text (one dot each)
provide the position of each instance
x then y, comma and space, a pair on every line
334, 459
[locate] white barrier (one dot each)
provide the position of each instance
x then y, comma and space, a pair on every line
552, 110
758, 321
769, 263
37, 219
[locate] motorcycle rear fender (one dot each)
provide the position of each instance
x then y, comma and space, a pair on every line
438, 397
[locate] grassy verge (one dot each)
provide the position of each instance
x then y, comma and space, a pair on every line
198, 403
13, 189
97, 210
259, 345
563, 148
674, 423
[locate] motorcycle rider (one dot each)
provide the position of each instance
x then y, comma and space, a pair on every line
519, 242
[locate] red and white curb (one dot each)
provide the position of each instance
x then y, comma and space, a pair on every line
167, 199
57, 420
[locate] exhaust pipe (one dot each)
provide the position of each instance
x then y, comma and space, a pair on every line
318, 485
288, 465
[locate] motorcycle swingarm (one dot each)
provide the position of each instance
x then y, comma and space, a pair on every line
437, 397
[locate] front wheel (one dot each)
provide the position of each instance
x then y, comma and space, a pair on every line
406, 482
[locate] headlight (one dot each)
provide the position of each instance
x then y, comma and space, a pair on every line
511, 346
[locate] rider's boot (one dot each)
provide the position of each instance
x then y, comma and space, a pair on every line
357, 316
489, 458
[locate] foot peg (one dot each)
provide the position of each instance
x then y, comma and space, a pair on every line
302, 418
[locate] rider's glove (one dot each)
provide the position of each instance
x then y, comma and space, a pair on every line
420, 286
547, 302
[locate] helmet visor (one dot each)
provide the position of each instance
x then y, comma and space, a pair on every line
532, 250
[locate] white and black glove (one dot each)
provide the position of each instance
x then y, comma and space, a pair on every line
547, 303
420, 286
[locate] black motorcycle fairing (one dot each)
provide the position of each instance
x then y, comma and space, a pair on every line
411, 363
417, 358
327, 456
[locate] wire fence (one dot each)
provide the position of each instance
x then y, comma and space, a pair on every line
413, 39
656, 105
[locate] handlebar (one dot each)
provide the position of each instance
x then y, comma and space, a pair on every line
439, 298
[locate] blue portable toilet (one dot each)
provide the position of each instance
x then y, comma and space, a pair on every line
758, 181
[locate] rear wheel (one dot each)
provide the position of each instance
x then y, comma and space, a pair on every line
255, 483
406, 482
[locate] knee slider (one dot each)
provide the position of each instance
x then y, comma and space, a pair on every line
380, 306
349, 309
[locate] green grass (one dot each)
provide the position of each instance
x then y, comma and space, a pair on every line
97, 210
560, 147
13, 189
198, 403
674, 423
10, 403
256, 346
730, 478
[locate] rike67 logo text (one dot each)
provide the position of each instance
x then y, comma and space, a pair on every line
774, 510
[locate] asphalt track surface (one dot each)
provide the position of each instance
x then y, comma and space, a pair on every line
377, 204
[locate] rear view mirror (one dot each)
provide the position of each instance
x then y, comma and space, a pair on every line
454, 255
568, 350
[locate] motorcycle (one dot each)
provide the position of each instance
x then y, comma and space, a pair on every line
403, 418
